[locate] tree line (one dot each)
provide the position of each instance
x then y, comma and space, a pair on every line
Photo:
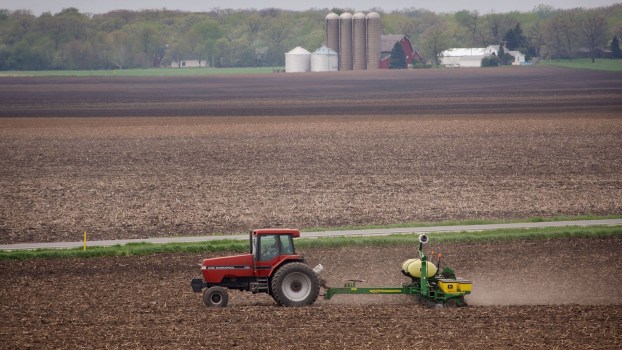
124, 39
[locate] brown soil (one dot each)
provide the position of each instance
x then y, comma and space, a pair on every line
304, 150
229, 153
527, 294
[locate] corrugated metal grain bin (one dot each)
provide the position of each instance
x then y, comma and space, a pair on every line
297, 60
324, 59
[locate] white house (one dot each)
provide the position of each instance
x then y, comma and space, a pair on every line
519, 58
472, 57
189, 64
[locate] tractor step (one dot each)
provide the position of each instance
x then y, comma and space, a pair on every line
261, 286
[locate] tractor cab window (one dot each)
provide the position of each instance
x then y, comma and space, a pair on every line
268, 247
287, 248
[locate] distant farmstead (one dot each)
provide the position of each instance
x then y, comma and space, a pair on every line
472, 57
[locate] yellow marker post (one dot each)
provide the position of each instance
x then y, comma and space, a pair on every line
85, 241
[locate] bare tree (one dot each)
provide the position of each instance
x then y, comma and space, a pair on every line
468, 20
560, 34
494, 26
593, 27
536, 38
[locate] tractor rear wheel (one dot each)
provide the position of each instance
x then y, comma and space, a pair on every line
295, 284
216, 297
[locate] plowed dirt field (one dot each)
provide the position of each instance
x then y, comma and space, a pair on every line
527, 294
304, 150
141, 157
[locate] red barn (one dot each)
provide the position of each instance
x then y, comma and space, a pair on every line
386, 46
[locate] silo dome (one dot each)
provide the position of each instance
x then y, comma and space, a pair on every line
324, 59
297, 60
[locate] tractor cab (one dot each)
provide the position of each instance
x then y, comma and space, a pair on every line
270, 247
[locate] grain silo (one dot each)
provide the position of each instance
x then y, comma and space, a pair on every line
297, 60
374, 31
332, 31
324, 59
359, 39
345, 41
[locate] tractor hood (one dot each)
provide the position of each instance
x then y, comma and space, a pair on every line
215, 270
236, 261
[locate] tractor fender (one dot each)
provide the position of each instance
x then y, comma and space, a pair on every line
283, 263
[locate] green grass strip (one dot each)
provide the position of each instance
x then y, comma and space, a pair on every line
464, 222
603, 64
147, 72
241, 246
458, 237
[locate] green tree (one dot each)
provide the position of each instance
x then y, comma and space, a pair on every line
491, 61
148, 42
120, 49
435, 40
204, 38
398, 58
615, 48
515, 39
501, 50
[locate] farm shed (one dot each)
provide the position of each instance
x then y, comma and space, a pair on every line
472, 57
386, 46
464, 57
189, 64
298, 60
324, 60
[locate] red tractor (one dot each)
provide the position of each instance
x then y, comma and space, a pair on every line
272, 266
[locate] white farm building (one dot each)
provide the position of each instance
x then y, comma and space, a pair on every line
472, 57
189, 64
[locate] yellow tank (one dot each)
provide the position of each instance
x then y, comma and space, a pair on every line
406, 263
414, 268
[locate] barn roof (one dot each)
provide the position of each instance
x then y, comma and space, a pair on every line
388, 41
298, 51
323, 50
468, 51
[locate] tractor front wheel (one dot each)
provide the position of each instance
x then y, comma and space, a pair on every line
295, 284
216, 297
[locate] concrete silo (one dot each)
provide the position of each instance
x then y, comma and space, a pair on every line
374, 31
345, 41
297, 60
332, 31
359, 41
